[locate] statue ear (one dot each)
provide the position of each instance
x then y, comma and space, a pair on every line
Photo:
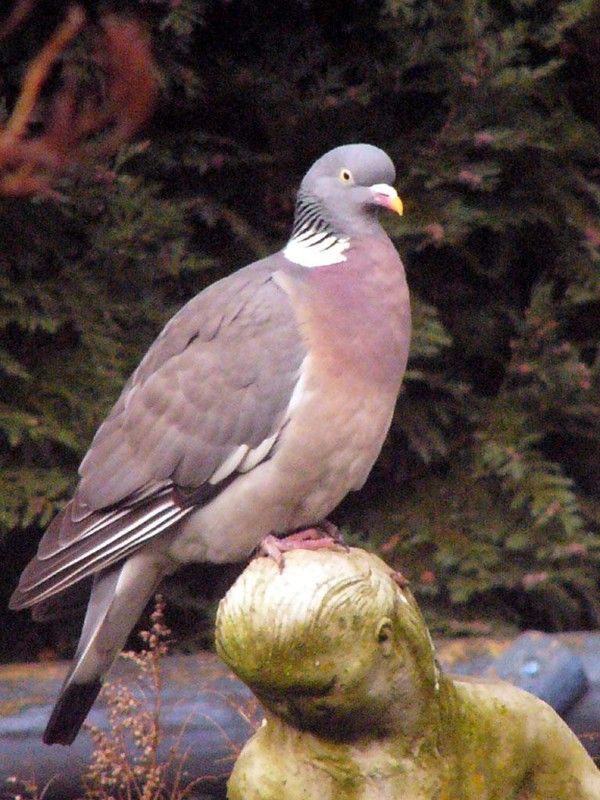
385, 637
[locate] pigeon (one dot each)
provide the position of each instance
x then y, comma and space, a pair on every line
260, 405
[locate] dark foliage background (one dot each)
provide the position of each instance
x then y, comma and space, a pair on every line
485, 494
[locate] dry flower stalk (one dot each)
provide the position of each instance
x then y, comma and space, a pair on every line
126, 763
130, 760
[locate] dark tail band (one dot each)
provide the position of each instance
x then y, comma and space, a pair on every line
70, 711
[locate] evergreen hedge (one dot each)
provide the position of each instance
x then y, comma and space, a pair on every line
486, 490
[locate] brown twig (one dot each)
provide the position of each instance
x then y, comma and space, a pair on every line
21, 10
38, 71
83, 123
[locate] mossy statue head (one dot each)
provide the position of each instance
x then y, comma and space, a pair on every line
355, 707
329, 642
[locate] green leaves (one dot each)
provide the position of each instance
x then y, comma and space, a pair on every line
533, 485
30, 496
490, 113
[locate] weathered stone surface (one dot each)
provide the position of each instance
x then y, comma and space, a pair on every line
202, 693
357, 708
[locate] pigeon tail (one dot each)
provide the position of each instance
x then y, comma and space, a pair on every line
118, 598
70, 711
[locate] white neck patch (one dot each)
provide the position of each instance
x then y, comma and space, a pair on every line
316, 249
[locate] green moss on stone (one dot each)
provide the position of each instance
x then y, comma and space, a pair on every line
356, 707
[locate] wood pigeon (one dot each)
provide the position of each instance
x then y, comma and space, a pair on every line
262, 403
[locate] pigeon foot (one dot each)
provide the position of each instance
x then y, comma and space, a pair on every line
332, 531
316, 538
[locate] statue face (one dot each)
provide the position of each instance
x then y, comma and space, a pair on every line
352, 689
330, 642
344, 682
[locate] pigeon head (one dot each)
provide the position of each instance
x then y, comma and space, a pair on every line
353, 181
338, 200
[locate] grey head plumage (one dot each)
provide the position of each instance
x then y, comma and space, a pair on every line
343, 190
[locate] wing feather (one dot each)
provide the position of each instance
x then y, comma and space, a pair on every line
41, 580
208, 402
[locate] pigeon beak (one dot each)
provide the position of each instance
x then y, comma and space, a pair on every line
387, 196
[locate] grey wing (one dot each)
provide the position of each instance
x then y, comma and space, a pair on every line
207, 402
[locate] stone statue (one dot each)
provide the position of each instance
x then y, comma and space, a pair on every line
356, 706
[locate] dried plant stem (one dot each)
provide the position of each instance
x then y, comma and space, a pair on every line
82, 121
39, 69
21, 10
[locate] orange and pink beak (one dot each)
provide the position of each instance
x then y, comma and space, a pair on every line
386, 196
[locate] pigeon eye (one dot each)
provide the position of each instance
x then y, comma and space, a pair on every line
346, 176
